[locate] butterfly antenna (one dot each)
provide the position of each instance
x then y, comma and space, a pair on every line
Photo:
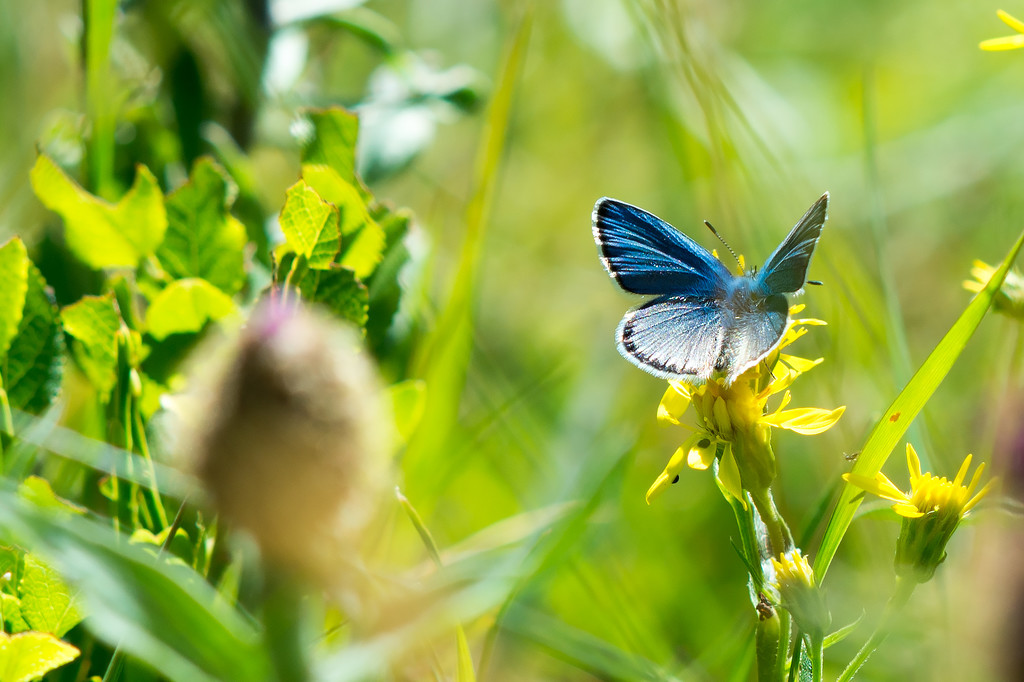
725, 243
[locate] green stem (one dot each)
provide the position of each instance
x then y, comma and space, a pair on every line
904, 588
778, 532
816, 652
766, 643
282, 621
151, 493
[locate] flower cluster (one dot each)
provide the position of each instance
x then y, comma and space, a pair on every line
734, 422
799, 592
931, 512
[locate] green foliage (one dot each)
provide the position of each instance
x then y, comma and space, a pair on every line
185, 306
30, 655
103, 235
31, 361
94, 323
203, 239
310, 226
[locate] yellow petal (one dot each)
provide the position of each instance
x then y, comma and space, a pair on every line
805, 420
701, 454
879, 485
729, 476
972, 285
796, 308
913, 463
1011, 21
659, 486
674, 466
722, 422
907, 510
674, 402
800, 364
962, 473
981, 493
781, 382
1000, 44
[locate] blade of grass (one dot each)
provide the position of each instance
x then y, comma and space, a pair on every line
99, 33
445, 360
894, 423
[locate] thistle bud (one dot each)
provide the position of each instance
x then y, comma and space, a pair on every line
290, 437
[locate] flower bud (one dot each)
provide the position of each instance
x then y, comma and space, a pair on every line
290, 437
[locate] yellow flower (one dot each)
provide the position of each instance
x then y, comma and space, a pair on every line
736, 418
1008, 42
1009, 299
931, 512
799, 592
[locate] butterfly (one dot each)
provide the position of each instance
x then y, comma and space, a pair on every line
704, 319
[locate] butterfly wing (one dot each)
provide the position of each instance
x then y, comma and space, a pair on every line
754, 327
675, 336
646, 255
786, 269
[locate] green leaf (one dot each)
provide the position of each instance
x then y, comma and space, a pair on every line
38, 491
203, 239
185, 306
333, 142
842, 633
363, 239
12, 613
94, 322
30, 655
161, 614
180, 547
35, 360
14, 275
336, 289
897, 418
47, 603
311, 225
101, 234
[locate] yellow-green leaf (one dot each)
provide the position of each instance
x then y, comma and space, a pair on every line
203, 239
363, 239
47, 603
311, 225
94, 322
102, 234
29, 655
185, 306
14, 275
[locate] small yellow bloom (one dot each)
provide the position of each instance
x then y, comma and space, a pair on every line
1008, 42
735, 417
1009, 299
931, 512
799, 592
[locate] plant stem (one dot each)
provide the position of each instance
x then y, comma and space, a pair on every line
816, 652
904, 588
778, 532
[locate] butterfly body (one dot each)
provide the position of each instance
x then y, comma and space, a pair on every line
703, 319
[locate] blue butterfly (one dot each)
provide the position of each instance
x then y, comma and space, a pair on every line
705, 320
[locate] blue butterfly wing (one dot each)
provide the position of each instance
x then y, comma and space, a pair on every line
786, 269
646, 255
675, 336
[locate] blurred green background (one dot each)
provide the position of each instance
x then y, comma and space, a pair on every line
738, 113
